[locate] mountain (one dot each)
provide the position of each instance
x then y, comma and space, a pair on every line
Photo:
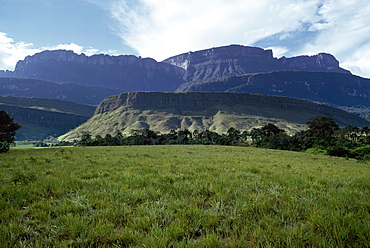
130, 73
217, 111
236, 60
125, 72
84, 94
337, 89
41, 118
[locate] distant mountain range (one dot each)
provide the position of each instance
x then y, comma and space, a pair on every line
98, 76
217, 111
130, 73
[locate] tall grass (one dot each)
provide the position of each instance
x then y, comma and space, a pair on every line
182, 196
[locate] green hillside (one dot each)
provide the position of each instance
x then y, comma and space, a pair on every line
41, 118
162, 112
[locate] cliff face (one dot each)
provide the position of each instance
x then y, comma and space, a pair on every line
216, 111
237, 60
336, 89
198, 101
125, 72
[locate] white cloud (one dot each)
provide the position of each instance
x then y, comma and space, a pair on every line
11, 52
345, 33
163, 28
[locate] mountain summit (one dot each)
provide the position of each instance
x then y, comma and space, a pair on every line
125, 72
236, 60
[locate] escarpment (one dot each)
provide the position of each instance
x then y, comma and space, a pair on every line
216, 111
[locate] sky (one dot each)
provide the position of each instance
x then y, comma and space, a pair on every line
163, 28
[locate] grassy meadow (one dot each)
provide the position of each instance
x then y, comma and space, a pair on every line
182, 196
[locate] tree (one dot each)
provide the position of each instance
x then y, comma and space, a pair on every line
7, 131
233, 135
322, 129
86, 139
271, 129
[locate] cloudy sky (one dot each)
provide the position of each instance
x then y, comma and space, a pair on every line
163, 28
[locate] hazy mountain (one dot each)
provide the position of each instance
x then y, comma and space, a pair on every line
78, 93
125, 72
200, 111
130, 73
333, 88
41, 118
236, 60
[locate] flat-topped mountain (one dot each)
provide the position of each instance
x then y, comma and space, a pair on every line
125, 72
237, 60
131, 73
215, 111
336, 89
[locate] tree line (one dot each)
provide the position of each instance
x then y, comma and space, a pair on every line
322, 136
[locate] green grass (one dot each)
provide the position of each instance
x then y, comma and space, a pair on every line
182, 196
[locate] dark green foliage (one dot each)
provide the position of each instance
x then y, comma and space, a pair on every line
361, 152
322, 127
338, 151
7, 131
323, 134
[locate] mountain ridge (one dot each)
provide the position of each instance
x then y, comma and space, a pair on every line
131, 73
84, 94
124, 72
335, 89
237, 60
215, 111
41, 118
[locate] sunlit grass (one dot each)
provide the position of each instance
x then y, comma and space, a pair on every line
182, 196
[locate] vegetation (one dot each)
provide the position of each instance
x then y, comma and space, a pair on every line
181, 196
8, 130
322, 136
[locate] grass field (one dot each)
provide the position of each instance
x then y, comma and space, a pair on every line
182, 196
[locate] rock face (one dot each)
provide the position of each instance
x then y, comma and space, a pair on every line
126, 73
237, 60
336, 89
216, 111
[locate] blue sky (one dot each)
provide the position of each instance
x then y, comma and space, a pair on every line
163, 28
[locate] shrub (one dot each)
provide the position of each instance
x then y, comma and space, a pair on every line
338, 151
361, 151
316, 150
